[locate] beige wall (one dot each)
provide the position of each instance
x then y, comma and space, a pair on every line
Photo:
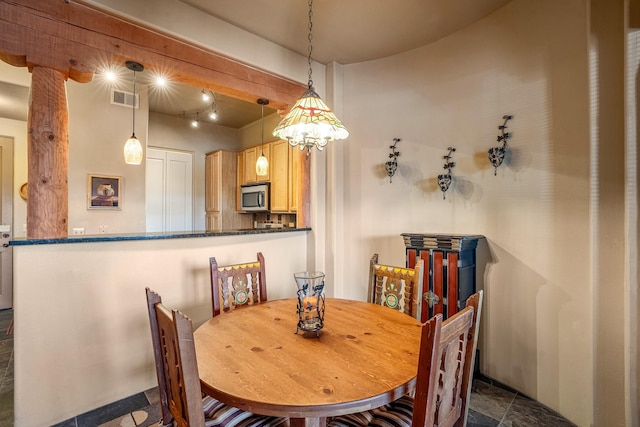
97, 133
528, 59
17, 130
81, 319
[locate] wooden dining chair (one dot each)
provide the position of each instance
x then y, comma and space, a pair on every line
237, 285
399, 288
443, 382
181, 400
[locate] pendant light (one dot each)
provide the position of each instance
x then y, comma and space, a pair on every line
310, 122
262, 164
133, 148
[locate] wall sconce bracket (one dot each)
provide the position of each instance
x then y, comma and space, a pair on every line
444, 180
391, 166
497, 154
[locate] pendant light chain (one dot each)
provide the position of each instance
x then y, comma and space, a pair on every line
262, 149
135, 99
310, 122
310, 38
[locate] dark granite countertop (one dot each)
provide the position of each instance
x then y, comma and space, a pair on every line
23, 241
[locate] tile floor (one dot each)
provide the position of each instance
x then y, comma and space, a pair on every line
492, 405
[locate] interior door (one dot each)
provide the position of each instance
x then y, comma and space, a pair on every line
6, 221
169, 190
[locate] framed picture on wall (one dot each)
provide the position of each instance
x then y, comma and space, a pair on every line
104, 192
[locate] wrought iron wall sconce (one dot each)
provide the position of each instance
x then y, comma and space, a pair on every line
392, 165
444, 180
496, 154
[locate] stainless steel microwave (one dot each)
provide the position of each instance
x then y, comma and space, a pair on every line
255, 197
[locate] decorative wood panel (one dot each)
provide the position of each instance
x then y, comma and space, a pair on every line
449, 270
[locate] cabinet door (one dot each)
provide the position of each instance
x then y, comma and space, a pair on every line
212, 182
250, 166
240, 179
250, 157
294, 168
214, 221
279, 166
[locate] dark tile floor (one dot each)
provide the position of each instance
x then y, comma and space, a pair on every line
491, 404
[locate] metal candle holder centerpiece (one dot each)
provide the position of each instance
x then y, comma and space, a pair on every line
496, 154
310, 301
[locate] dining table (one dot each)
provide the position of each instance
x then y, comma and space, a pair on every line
366, 355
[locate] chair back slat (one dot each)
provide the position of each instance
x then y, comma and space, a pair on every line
237, 285
395, 287
177, 367
443, 381
428, 370
458, 343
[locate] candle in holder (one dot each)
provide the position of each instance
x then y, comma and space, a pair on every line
310, 301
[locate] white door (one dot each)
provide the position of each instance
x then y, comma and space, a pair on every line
6, 221
169, 190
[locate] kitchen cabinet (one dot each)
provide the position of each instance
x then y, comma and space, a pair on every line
279, 166
220, 192
284, 165
239, 179
449, 273
250, 156
294, 171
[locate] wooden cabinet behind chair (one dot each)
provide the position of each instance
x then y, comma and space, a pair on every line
220, 193
449, 276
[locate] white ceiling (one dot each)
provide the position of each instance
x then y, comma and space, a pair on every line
345, 31
348, 31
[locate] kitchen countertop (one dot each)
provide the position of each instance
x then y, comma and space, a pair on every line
23, 241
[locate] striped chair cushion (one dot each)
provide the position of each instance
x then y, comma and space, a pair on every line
217, 414
394, 414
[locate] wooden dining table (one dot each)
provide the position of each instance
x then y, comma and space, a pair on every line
366, 355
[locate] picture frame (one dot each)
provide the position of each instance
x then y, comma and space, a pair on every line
104, 192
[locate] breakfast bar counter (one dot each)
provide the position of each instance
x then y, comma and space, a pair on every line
80, 311
150, 236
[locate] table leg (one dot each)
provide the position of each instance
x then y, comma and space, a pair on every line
308, 422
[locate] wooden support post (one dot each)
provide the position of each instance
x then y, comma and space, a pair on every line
48, 155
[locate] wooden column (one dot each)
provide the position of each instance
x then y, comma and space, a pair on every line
48, 155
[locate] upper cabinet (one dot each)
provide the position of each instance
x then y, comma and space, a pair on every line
220, 193
282, 173
294, 173
250, 156
279, 171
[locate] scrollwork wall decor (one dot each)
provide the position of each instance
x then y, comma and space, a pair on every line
496, 154
444, 180
391, 166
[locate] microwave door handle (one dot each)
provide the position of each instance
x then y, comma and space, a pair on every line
261, 199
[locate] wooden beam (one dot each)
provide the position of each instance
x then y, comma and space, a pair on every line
48, 153
78, 40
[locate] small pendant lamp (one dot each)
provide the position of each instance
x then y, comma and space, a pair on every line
262, 164
133, 148
310, 122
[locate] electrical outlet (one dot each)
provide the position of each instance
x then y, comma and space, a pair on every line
102, 229
78, 231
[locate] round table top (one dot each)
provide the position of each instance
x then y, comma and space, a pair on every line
251, 358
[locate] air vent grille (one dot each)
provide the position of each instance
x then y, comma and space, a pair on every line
124, 99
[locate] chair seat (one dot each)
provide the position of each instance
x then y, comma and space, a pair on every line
395, 414
217, 414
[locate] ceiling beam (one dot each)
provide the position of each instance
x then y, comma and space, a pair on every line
78, 40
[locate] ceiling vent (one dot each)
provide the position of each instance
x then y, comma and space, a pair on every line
125, 99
